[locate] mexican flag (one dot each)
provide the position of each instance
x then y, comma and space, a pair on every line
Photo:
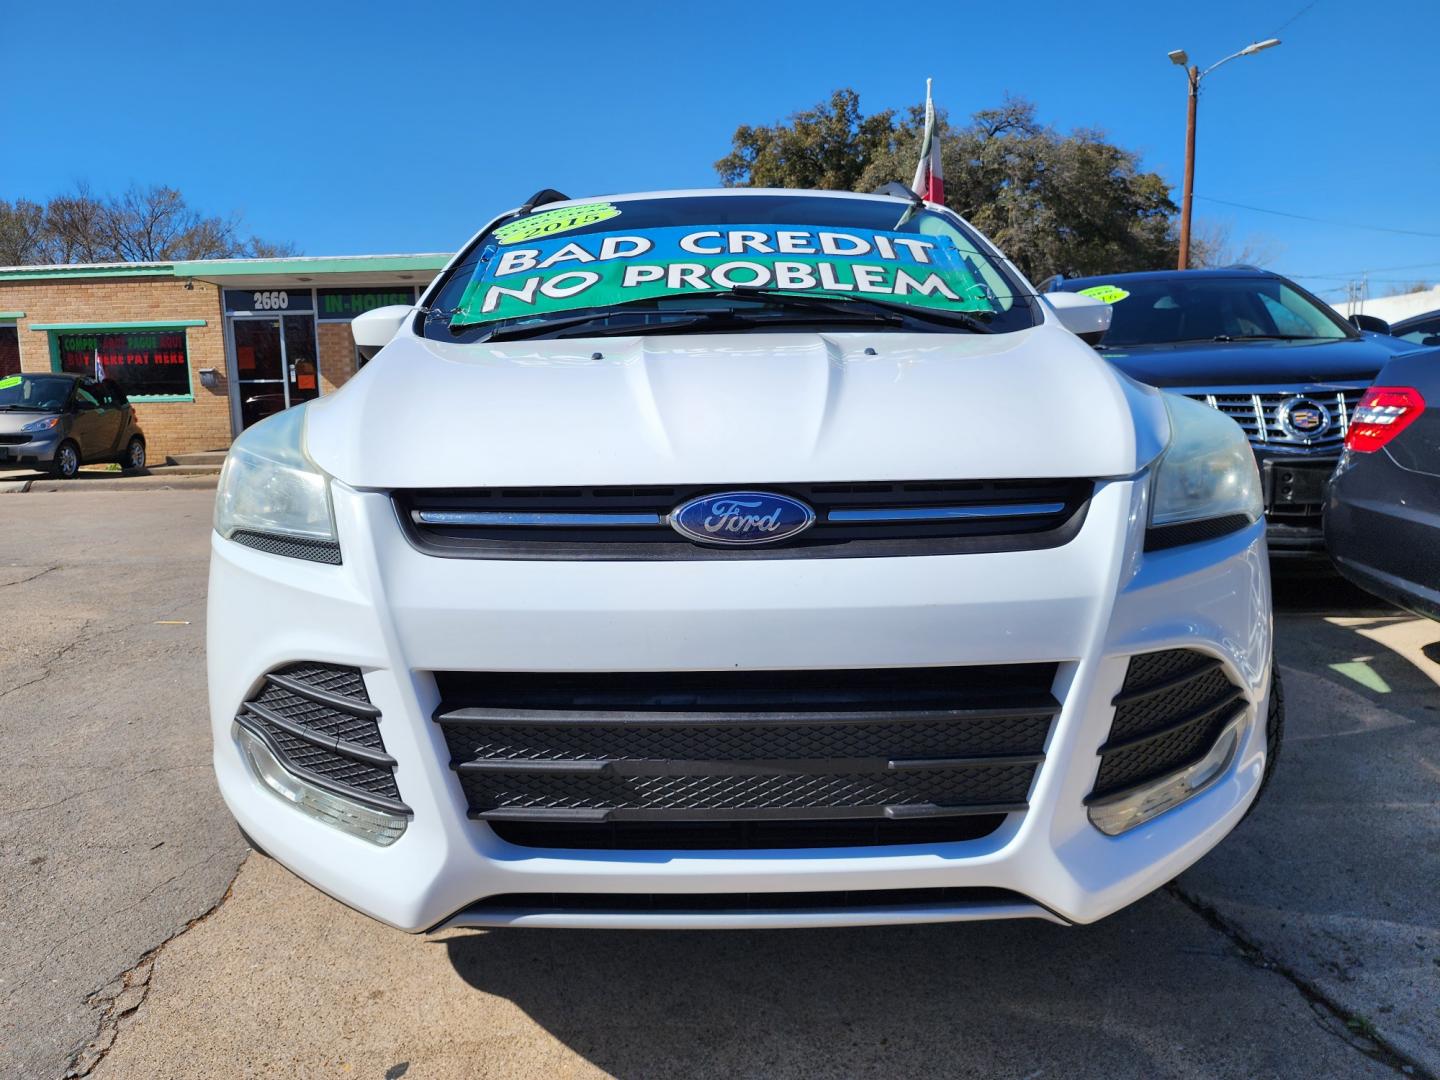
929, 182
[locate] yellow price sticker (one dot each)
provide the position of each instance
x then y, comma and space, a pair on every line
1106, 294
550, 222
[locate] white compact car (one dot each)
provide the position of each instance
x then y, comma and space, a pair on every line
739, 559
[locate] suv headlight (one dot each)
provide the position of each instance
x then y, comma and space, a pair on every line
1207, 483
273, 497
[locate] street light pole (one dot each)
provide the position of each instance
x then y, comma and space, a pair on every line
1193, 76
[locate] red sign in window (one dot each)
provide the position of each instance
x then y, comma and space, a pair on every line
143, 362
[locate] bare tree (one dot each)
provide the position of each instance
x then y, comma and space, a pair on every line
1404, 288
1210, 247
142, 224
22, 232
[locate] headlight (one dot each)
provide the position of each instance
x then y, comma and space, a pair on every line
273, 497
1207, 483
42, 425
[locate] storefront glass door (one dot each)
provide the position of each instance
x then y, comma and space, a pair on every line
275, 364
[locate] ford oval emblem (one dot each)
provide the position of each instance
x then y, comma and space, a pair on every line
741, 518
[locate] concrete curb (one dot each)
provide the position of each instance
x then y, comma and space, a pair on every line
135, 483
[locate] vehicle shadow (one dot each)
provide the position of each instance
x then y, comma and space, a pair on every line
1006, 999
1326, 627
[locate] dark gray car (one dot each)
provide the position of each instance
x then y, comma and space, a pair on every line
1382, 521
58, 421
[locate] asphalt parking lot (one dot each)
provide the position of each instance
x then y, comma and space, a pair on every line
138, 940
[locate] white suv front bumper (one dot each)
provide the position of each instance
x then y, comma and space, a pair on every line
399, 614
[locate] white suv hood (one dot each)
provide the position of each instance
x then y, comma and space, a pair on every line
733, 409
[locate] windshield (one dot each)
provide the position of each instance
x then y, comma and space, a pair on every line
1174, 309
726, 263
35, 393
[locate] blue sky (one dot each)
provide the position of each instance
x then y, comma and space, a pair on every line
362, 128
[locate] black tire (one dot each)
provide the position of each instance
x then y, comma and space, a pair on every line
133, 459
67, 461
1274, 735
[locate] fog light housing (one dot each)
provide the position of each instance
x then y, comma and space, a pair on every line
348, 816
1118, 813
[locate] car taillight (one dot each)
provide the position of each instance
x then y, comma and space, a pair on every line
1383, 413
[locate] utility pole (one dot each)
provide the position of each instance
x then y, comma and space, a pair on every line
1188, 192
1193, 76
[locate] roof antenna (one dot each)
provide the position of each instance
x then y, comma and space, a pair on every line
541, 197
900, 191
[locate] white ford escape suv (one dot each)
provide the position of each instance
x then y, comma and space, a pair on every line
738, 559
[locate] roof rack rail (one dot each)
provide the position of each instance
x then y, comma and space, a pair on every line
1246, 266
543, 196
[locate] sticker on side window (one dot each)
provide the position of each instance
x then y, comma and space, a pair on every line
550, 222
1106, 294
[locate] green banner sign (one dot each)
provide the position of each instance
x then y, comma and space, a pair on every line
599, 270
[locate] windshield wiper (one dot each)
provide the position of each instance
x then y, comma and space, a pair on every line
687, 319
839, 302
843, 308
27, 408
1268, 337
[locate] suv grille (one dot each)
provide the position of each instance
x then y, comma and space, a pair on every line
910, 518
1258, 411
318, 721
682, 760
1168, 714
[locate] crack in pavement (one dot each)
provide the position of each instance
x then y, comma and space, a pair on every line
55, 947
32, 577
120, 999
46, 669
1354, 1031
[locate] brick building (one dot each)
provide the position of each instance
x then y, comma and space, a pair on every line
203, 349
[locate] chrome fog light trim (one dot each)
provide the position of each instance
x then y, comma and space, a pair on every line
352, 817
1122, 812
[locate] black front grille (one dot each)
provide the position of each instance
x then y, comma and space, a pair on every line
1042, 514
1168, 714
13, 440
318, 721
682, 760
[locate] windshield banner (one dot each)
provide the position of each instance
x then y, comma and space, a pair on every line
603, 269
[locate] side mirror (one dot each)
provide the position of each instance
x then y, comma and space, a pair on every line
1084, 316
373, 330
1371, 323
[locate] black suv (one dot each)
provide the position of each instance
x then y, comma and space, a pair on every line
1261, 349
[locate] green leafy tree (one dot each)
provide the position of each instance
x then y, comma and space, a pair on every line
1055, 203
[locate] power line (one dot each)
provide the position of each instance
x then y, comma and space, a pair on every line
1373, 270
1319, 220
1287, 22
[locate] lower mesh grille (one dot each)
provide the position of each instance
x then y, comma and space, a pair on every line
318, 721
675, 760
1168, 714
